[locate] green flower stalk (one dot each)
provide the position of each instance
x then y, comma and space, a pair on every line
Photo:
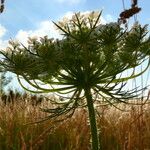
86, 63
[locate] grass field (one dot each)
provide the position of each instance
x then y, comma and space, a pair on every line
119, 130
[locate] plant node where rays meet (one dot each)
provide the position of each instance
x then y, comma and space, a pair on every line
87, 62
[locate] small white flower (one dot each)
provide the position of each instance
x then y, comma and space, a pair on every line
94, 14
31, 40
65, 20
14, 43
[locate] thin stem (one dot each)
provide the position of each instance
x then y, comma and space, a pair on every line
92, 119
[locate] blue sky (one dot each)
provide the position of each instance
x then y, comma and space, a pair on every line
27, 15
23, 18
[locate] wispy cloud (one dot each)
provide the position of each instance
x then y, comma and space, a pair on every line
3, 43
2, 31
45, 28
109, 18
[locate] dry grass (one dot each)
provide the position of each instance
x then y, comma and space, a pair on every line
125, 130
119, 130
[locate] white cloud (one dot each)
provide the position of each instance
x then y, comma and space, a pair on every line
109, 18
69, 15
48, 28
3, 43
71, 2
44, 28
2, 31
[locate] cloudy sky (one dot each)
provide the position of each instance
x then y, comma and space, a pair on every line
24, 18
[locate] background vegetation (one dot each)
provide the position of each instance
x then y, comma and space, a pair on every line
121, 130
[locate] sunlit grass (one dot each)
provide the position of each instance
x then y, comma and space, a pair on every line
121, 130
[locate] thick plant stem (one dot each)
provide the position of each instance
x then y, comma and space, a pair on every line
92, 119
